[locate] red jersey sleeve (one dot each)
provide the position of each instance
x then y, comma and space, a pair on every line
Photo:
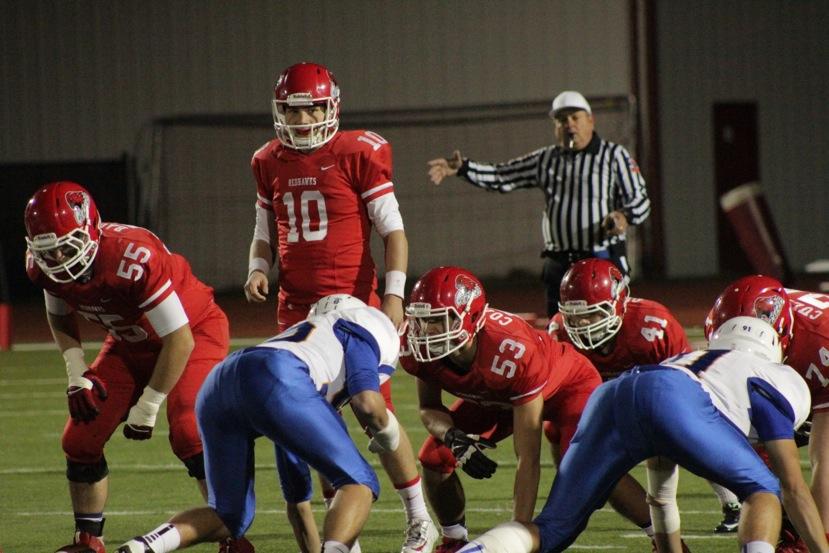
264, 186
556, 330
372, 170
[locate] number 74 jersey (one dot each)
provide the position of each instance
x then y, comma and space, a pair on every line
808, 352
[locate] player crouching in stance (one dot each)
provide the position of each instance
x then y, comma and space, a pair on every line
700, 410
510, 378
287, 389
164, 334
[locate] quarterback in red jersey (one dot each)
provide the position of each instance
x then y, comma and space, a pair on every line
509, 378
801, 319
320, 192
164, 334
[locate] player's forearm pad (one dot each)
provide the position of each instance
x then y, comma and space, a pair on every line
75, 367
387, 439
395, 283
662, 485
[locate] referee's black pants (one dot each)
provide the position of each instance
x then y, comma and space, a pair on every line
557, 263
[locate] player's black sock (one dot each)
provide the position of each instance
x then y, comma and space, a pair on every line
91, 523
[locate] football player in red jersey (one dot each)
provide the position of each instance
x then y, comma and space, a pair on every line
320, 191
509, 378
164, 334
801, 319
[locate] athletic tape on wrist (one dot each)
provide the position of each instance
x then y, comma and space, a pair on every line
395, 283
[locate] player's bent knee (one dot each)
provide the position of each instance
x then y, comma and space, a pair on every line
195, 466
87, 473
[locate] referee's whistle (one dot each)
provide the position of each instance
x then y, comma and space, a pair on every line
571, 141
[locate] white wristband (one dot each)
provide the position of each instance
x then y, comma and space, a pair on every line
395, 283
75, 364
259, 264
144, 411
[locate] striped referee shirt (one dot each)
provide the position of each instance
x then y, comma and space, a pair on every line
580, 188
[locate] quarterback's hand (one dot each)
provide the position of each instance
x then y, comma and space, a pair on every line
81, 394
443, 167
141, 418
393, 308
468, 452
615, 223
256, 287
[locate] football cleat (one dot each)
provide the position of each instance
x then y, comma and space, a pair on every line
449, 545
421, 536
790, 542
238, 545
135, 545
84, 542
731, 519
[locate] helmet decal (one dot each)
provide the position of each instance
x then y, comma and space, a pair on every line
769, 308
466, 290
79, 204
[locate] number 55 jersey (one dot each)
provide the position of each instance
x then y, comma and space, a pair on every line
137, 292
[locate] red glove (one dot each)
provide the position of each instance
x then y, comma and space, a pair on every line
81, 396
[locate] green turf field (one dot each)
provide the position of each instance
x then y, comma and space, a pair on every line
148, 484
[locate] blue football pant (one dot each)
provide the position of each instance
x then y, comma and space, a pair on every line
643, 413
268, 392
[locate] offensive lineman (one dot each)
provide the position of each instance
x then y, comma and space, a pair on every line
164, 334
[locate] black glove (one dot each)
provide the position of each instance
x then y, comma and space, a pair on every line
801, 435
467, 449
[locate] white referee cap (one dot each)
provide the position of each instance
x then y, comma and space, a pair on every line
569, 99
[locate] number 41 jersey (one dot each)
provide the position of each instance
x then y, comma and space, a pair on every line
136, 291
649, 335
324, 203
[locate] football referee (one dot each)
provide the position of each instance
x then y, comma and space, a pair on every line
593, 189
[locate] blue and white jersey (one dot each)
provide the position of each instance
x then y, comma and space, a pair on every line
346, 351
764, 400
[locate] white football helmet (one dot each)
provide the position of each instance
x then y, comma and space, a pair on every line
335, 302
748, 334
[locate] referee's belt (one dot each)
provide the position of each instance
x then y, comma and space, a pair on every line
575, 255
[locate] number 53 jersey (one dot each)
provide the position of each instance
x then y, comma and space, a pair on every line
138, 290
513, 364
324, 204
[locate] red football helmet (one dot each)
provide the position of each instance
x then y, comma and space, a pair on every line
304, 85
756, 296
446, 309
594, 295
63, 229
